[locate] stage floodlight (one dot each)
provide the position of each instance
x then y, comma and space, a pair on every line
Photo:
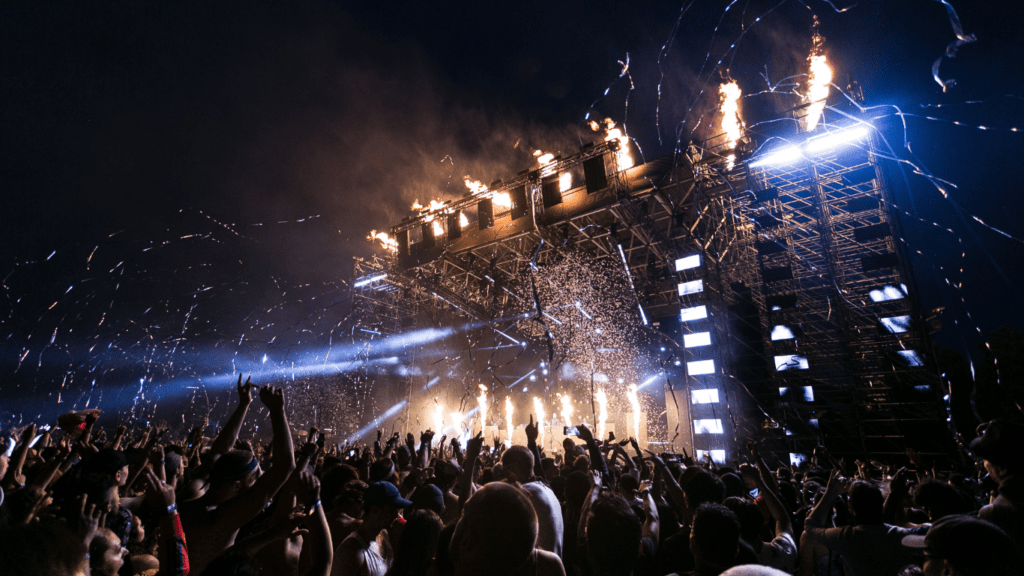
911, 357
780, 157
833, 139
369, 280
687, 262
697, 340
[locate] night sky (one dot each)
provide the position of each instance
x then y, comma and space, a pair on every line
194, 177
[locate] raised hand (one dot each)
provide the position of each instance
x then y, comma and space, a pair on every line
272, 398
752, 447
585, 434
426, 436
89, 520
308, 489
245, 390
532, 431
836, 483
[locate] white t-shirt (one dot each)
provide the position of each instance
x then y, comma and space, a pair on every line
355, 556
780, 553
549, 517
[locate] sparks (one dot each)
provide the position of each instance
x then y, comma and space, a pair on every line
538, 407
438, 417
481, 401
566, 409
634, 401
818, 81
602, 414
509, 410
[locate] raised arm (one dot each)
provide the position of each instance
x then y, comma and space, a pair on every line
466, 487
246, 505
14, 477
596, 458
225, 439
675, 491
782, 522
652, 524
319, 540
820, 515
532, 431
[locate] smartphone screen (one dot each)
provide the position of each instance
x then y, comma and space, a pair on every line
571, 431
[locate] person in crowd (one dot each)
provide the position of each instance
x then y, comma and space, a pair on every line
964, 545
869, 547
238, 491
519, 464
1000, 445
497, 534
366, 551
417, 547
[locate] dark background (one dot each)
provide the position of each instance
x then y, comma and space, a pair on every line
184, 184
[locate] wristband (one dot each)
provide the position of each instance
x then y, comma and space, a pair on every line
172, 509
312, 509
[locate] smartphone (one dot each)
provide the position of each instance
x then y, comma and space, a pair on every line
352, 453
571, 431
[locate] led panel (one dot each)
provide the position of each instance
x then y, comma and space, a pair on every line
708, 426
887, 293
687, 263
790, 362
797, 459
694, 313
781, 332
808, 393
700, 367
708, 396
717, 456
897, 324
697, 340
911, 357
692, 287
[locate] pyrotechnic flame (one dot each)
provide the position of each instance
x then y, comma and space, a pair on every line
509, 410
634, 401
818, 81
481, 401
543, 158
731, 124
457, 430
502, 199
623, 159
564, 181
463, 221
602, 414
438, 228
566, 409
538, 408
387, 242
438, 417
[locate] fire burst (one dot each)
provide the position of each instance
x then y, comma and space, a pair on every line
566, 409
481, 401
602, 414
731, 124
623, 159
387, 242
634, 401
509, 409
438, 417
818, 80
538, 407
478, 188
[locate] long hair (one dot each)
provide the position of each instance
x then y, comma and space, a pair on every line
417, 545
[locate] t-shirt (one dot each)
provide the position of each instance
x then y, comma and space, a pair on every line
872, 550
779, 553
549, 517
356, 556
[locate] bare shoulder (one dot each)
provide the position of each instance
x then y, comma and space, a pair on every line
549, 564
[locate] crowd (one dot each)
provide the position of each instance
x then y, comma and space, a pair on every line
75, 501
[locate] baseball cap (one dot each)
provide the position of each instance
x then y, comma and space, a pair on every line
384, 494
999, 442
966, 540
428, 497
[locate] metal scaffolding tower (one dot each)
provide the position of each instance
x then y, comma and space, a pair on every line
786, 285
